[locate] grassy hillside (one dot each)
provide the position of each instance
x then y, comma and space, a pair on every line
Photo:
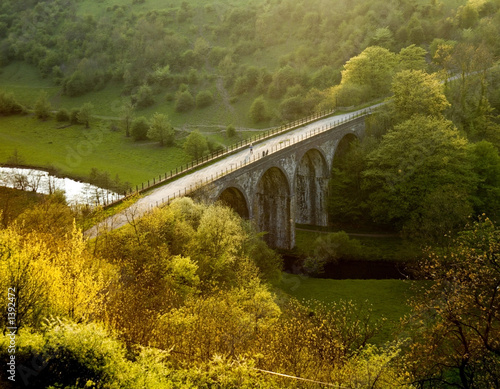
73, 150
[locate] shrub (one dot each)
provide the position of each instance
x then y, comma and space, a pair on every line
62, 115
184, 102
139, 129
230, 131
204, 98
73, 115
9, 105
144, 97
42, 107
195, 145
331, 248
258, 110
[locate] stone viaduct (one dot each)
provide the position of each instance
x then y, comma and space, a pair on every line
287, 186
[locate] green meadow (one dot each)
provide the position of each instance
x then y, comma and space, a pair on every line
388, 299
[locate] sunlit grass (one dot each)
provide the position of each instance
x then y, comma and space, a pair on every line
74, 150
387, 298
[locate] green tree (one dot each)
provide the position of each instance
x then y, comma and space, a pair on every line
144, 96
73, 115
77, 84
331, 248
195, 145
160, 130
455, 324
347, 199
62, 115
258, 110
42, 107
85, 114
9, 104
184, 101
204, 98
373, 68
282, 80
416, 92
230, 131
412, 58
467, 16
127, 117
486, 164
139, 128
420, 178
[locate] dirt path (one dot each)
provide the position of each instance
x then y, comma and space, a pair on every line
224, 94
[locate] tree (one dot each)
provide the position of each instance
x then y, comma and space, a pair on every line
195, 144
486, 165
184, 101
467, 16
373, 68
258, 111
455, 323
139, 128
62, 115
204, 98
127, 116
161, 130
416, 92
42, 106
85, 114
347, 199
471, 109
144, 96
230, 131
412, 58
420, 178
282, 79
331, 248
9, 104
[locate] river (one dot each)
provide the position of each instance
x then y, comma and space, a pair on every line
40, 181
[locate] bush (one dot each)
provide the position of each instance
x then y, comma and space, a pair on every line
9, 105
62, 115
230, 131
144, 97
258, 110
69, 355
331, 248
139, 129
42, 107
204, 98
73, 115
76, 84
184, 102
195, 145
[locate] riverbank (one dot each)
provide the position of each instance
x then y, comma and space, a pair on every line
43, 182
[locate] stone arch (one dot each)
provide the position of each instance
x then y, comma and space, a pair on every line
343, 146
311, 182
234, 198
273, 208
